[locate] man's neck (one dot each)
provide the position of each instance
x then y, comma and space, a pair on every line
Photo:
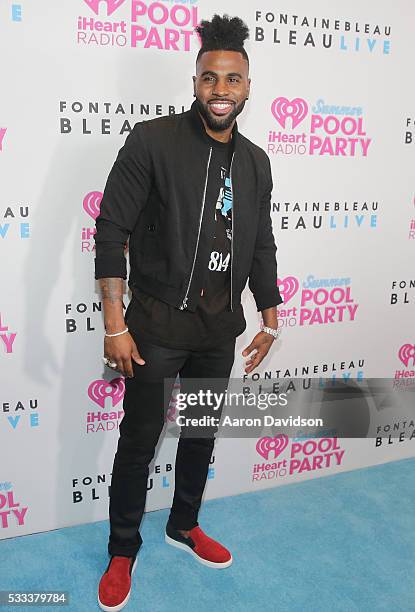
222, 135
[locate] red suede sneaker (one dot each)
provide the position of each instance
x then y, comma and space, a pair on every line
115, 585
202, 547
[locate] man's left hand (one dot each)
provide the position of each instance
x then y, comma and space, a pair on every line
261, 343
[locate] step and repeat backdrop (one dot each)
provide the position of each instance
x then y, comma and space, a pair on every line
332, 103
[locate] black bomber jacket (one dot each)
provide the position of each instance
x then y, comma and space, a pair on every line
155, 197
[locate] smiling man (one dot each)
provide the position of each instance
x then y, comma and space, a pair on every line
192, 196
219, 106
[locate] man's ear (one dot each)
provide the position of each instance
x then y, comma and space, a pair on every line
194, 85
249, 88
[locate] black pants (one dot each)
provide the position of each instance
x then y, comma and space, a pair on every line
140, 428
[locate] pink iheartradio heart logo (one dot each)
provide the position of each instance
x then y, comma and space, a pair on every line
112, 5
92, 203
288, 287
406, 352
100, 389
266, 445
282, 108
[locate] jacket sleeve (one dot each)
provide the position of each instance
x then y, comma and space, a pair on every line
263, 274
125, 195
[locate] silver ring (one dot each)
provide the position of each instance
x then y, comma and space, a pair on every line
110, 364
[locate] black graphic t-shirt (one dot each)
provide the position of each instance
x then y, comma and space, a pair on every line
216, 291
213, 323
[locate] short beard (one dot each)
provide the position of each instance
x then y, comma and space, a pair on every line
217, 124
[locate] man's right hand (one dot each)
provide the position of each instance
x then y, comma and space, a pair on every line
118, 349
121, 350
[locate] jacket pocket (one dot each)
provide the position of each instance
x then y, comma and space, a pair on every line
162, 270
152, 265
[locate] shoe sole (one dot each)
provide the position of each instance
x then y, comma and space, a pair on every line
212, 564
123, 603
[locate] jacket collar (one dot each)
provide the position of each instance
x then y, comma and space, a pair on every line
199, 126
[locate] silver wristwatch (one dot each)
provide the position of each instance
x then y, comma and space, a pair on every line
273, 332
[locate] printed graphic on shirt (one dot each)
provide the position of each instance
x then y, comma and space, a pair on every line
218, 262
224, 201
219, 259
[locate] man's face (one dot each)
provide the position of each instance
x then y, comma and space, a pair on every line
221, 86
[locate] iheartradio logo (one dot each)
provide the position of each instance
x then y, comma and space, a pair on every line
296, 110
288, 287
326, 133
266, 445
406, 353
92, 203
111, 5
100, 389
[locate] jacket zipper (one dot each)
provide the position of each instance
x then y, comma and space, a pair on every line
184, 302
233, 222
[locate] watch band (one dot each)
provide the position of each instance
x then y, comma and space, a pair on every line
273, 332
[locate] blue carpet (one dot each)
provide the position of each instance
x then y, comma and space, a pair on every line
343, 542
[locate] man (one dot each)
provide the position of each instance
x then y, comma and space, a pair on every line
193, 197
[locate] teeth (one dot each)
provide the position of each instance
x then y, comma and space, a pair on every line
220, 106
